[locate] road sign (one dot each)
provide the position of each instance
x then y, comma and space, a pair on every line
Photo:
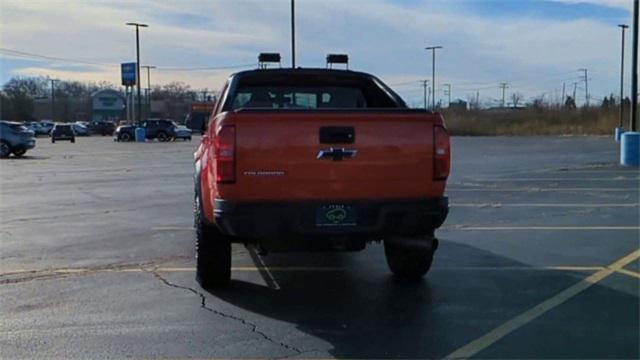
128, 71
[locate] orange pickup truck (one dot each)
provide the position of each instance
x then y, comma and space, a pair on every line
318, 160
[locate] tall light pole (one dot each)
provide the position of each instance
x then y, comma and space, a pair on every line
138, 26
634, 66
433, 73
148, 89
623, 27
293, 34
53, 97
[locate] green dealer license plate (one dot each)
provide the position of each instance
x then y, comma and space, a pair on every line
336, 215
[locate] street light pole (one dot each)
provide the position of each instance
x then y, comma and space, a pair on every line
634, 66
293, 35
433, 73
138, 26
623, 27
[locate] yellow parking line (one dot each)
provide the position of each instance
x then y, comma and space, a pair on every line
525, 205
629, 272
620, 178
517, 322
534, 189
499, 228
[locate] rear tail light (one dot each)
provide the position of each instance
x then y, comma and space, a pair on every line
225, 154
441, 153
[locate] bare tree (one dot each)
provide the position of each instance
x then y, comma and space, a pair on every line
516, 98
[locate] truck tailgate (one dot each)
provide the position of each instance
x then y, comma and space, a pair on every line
277, 155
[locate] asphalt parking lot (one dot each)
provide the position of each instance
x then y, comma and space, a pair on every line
539, 258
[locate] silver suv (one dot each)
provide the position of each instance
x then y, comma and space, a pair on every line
15, 138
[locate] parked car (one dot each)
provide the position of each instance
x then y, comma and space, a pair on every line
161, 129
33, 126
103, 128
15, 138
79, 129
62, 132
318, 159
182, 132
46, 126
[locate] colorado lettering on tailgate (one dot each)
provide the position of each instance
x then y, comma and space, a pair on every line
318, 160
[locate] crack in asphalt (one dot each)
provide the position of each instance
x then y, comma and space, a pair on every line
203, 304
16, 277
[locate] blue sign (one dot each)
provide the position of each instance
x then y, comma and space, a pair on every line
128, 71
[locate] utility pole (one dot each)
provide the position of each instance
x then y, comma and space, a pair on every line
448, 93
53, 98
478, 99
563, 92
148, 89
634, 71
425, 83
623, 27
575, 87
433, 73
293, 34
139, 107
504, 87
586, 86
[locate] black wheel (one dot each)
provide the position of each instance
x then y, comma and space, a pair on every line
410, 259
5, 149
53, 141
162, 136
189, 138
19, 153
124, 137
73, 140
213, 253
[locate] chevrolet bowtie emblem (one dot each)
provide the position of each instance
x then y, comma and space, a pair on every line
337, 154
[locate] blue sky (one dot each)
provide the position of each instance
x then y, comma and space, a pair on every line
534, 45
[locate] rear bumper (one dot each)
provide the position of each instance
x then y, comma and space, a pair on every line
375, 219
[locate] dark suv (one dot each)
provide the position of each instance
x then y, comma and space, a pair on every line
15, 138
102, 127
161, 129
63, 132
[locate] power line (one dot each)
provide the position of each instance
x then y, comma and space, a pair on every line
24, 54
46, 57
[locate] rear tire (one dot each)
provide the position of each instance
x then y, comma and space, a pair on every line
124, 137
412, 259
73, 140
213, 253
5, 149
53, 141
162, 136
19, 153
